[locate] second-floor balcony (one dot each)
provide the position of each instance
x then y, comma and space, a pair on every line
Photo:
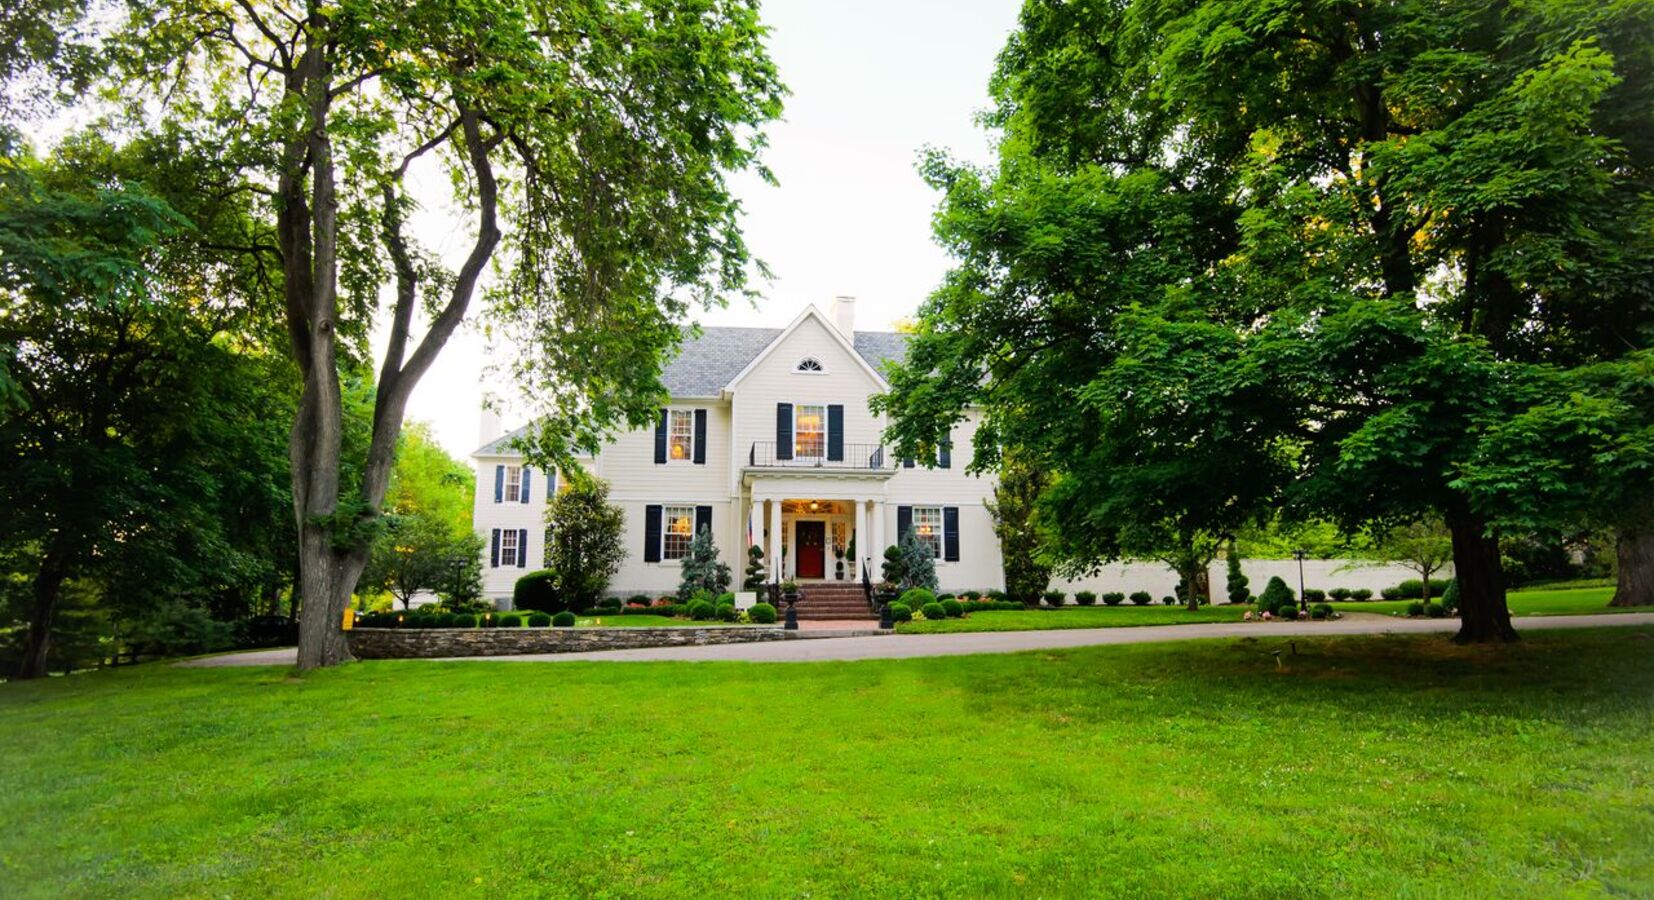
855, 457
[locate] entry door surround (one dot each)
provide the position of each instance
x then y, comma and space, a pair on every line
811, 547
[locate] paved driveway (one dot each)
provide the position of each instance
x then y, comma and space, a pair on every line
906, 646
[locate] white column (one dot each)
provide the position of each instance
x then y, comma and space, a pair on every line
879, 543
776, 567
755, 528
864, 538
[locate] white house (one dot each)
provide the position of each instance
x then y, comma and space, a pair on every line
767, 440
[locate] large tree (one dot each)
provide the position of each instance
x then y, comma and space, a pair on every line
587, 144
1427, 200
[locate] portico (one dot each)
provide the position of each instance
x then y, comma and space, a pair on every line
808, 523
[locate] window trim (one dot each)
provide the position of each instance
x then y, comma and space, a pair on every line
513, 490
937, 534
508, 544
797, 408
672, 414
666, 531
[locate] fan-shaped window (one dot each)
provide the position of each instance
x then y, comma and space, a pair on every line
810, 364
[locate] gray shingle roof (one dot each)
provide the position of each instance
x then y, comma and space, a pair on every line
711, 361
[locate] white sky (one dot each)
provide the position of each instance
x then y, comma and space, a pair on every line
872, 83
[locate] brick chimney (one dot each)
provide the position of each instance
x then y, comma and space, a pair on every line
843, 313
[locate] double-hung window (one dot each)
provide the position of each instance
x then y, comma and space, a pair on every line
679, 530
680, 435
810, 432
513, 484
927, 526
509, 548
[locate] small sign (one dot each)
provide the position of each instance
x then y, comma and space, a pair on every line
350, 619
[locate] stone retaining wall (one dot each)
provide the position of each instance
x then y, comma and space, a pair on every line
435, 643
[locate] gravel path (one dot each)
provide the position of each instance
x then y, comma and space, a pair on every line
907, 646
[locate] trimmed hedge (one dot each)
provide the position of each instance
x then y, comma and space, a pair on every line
1054, 598
537, 591
901, 612
464, 620
1361, 595
508, 620
701, 610
917, 598
539, 620
1142, 598
1413, 589
1314, 595
564, 619
1114, 598
934, 610
1339, 593
953, 608
762, 614
1085, 598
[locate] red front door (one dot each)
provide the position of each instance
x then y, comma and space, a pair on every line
812, 549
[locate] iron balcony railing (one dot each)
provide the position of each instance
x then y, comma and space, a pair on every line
865, 457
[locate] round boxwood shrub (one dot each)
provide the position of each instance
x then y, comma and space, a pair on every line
1390, 593
934, 610
1055, 598
564, 619
701, 610
762, 614
1085, 598
609, 605
1142, 598
901, 612
1320, 611
953, 608
1416, 608
1314, 595
1435, 610
728, 613
1361, 595
509, 620
971, 595
537, 591
1114, 598
725, 599
1168, 600
445, 620
464, 620
1287, 612
539, 620
917, 598
1339, 593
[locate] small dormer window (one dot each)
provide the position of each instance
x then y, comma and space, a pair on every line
810, 365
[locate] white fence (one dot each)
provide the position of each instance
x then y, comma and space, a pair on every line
1326, 574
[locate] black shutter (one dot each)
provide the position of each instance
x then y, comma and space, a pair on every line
700, 437
703, 518
660, 439
783, 431
835, 433
651, 533
494, 555
499, 483
525, 494
950, 533
522, 548
551, 483
904, 521
945, 454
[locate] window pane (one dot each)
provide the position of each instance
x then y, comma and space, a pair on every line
508, 547
682, 445
513, 483
810, 431
678, 530
927, 524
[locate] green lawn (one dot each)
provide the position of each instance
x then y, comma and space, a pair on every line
1378, 767
1075, 617
1546, 602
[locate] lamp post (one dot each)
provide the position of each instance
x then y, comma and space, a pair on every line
1303, 604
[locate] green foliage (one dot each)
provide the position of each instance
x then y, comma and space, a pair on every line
564, 619
762, 614
1361, 595
701, 610
537, 591
952, 608
901, 612
1237, 584
1414, 589
1114, 598
1054, 598
918, 566
701, 569
1434, 610
539, 620
426, 542
1275, 596
754, 580
1142, 598
1085, 598
1339, 594
585, 540
934, 610
727, 612
1314, 595
1026, 569
1320, 611
1450, 596
464, 620
917, 598
1286, 611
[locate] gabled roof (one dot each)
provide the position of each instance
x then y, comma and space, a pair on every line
810, 312
709, 363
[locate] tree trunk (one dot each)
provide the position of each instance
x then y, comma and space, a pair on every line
1483, 616
1198, 584
1635, 551
48, 584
